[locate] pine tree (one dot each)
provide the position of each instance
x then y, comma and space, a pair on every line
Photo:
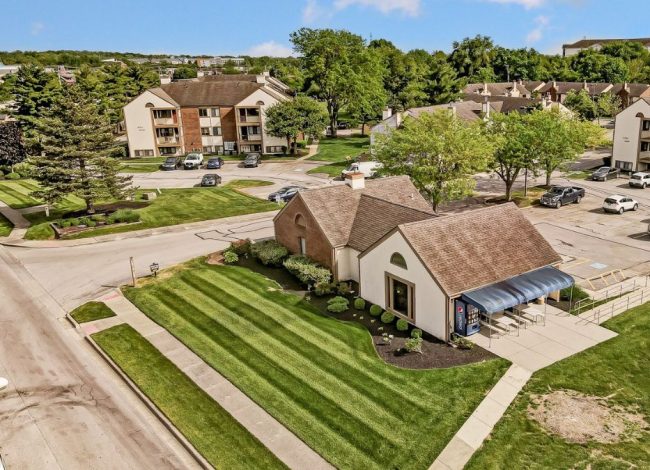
78, 152
12, 150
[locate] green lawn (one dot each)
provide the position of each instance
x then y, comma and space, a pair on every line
91, 311
241, 184
5, 226
336, 150
320, 377
618, 369
212, 431
141, 165
172, 207
16, 194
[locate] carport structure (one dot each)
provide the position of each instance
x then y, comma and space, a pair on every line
518, 290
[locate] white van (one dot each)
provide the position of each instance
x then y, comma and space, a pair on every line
367, 168
193, 161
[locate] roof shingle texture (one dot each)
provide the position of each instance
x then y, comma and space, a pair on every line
335, 208
209, 93
480, 247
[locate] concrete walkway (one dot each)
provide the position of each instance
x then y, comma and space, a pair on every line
19, 222
278, 439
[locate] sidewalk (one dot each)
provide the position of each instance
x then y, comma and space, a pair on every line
19, 222
278, 439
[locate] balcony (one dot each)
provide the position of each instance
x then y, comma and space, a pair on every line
249, 119
173, 140
644, 157
251, 138
645, 134
171, 121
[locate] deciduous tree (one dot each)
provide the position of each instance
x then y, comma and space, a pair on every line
289, 119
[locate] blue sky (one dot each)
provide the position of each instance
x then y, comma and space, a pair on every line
260, 27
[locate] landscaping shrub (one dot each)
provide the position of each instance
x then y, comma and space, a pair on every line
74, 221
230, 257
323, 288
387, 317
13, 176
124, 216
416, 333
402, 325
2, 174
306, 270
63, 223
338, 304
24, 169
344, 288
375, 310
269, 252
359, 303
90, 223
98, 217
241, 247
462, 343
413, 345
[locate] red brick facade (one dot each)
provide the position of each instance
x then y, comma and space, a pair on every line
228, 124
191, 130
294, 222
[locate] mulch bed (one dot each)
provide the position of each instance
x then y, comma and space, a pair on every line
435, 353
108, 208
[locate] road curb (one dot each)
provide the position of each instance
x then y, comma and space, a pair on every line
203, 463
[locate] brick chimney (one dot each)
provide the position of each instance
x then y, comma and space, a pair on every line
355, 180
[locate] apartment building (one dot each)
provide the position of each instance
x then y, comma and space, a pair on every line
221, 114
572, 49
632, 137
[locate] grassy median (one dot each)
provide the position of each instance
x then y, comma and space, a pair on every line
91, 311
617, 371
320, 377
212, 431
5, 226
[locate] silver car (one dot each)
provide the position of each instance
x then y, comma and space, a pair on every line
640, 180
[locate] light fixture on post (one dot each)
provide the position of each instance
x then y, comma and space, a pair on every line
154, 267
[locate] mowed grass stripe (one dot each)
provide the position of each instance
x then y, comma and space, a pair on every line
290, 329
13, 197
284, 397
329, 376
447, 396
323, 388
222, 440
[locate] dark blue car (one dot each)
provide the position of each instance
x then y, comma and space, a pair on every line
214, 163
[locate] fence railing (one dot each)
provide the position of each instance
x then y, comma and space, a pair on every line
619, 305
613, 292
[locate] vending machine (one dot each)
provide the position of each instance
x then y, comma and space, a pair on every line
466, 318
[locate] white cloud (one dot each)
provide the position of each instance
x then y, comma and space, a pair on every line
408, 7
536, 34
527, 4
36, 28
269, 48
313, 12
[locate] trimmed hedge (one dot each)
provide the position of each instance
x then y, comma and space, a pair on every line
359, 303
375, 310
338, 304
387, 317
241, 247
402, 325
230, 257
269, 252
306, 270
13, 176
416, 333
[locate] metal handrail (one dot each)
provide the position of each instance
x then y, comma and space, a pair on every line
602, 312
610, 292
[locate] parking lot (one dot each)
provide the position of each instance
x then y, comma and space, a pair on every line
593, 242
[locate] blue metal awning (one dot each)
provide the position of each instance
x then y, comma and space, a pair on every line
518, 290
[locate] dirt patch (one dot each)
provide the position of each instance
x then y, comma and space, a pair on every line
582, 418
215, 258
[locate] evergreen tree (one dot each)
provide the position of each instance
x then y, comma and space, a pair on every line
12, 150
78, 150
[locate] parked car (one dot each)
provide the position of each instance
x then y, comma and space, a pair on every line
193, 161
284, 194
619, 204
605, 173
369, 169
558, 196
640, 180
211, 179
252, 160
214, 163
172, 163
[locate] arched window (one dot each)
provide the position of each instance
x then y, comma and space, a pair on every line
260, 103
398, 260
300, 221
148, 105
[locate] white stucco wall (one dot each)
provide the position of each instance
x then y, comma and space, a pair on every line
268, 100
430, 301
626, 133
139, 125
347, 260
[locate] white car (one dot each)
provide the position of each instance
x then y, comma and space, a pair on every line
367, 168
193, 161
640, 180
619, 204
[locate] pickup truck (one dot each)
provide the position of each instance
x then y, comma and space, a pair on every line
558, 196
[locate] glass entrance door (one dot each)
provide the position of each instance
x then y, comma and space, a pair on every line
400, 296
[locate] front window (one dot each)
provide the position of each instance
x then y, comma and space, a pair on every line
215, 112
203, 112
646, 125
645, 146
205, 131
216, 130
400, 298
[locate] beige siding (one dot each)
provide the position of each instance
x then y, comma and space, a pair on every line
139, 125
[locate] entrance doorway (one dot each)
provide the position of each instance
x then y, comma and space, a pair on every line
400, 296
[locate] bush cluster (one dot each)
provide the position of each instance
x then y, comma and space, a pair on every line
375, 310
402, 325
230, 257
387, 317
338, 304
307, 271
12, 176
269, 252
416, 333
241, 247
123, 216
120, 216
359, 303
413, 345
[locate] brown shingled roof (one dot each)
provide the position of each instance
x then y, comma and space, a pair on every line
590, 42
210, 93
466, 110
635, 89
478, 248
335, 208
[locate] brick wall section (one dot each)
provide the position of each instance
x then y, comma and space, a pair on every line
288, 233
191, 129
228, 124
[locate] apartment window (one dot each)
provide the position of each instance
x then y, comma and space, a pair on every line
229, 146
203, 112
216, 130
162, 113
167, 150
208, 149
214, 112
275, 149
205, 131
646, 125
645, 146
626, 166
143, 153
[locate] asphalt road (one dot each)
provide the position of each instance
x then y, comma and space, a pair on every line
63, 408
